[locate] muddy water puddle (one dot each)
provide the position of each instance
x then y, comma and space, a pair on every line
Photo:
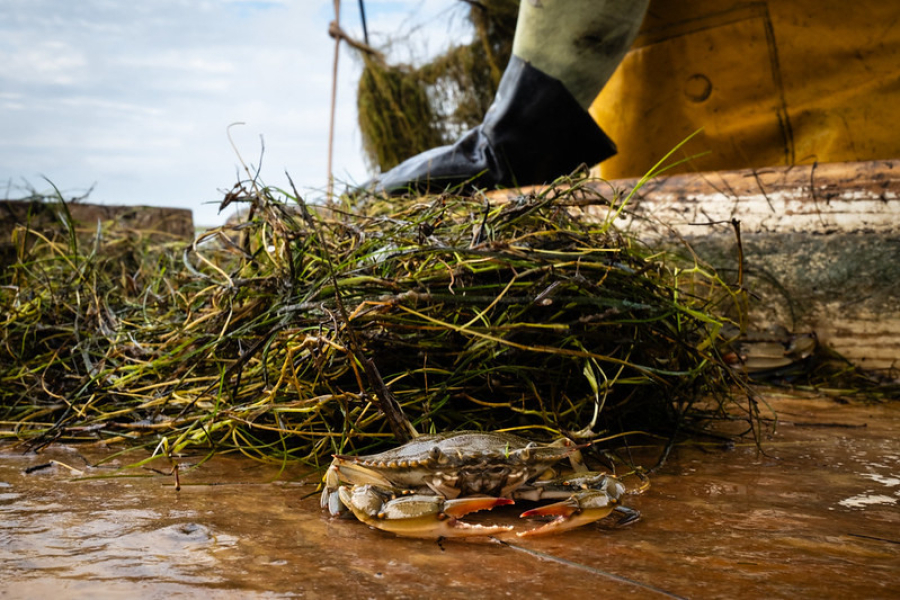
818, 515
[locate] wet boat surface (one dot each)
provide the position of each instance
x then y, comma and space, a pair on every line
817, 514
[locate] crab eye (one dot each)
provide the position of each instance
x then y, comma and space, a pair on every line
522, 455
436, 455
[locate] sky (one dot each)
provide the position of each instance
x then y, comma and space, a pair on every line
133, 100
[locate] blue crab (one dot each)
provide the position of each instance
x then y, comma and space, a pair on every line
424, 487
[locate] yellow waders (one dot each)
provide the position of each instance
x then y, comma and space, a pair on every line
778, 82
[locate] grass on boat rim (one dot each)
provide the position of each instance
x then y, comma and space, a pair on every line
290, 336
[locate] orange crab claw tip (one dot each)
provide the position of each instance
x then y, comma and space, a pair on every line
462, 506
560, 509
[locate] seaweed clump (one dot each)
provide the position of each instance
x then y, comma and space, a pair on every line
304, 331
404, 110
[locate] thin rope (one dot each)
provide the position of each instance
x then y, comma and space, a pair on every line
334, 81
362, 16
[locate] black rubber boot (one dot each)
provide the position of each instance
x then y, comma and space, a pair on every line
534, 132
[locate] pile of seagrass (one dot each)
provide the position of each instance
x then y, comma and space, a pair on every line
305, 331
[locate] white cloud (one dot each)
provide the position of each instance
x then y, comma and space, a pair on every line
51, 61
136, 96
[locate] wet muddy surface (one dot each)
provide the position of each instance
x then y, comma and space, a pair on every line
817, 515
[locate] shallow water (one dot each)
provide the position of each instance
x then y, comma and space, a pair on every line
817, 516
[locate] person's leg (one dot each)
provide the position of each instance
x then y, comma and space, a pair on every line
579, 42
538, 127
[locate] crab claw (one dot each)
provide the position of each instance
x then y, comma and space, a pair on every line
579, 509
460, 507
340, 471
420, 515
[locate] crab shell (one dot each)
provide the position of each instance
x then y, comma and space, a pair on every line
455, 464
